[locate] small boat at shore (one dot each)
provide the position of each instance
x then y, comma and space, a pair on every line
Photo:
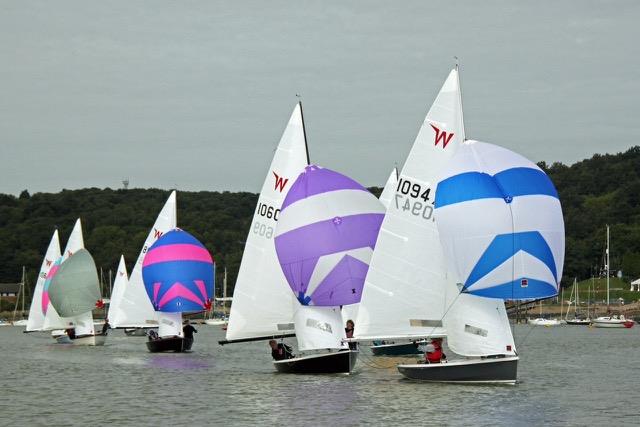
544, 322
615, 321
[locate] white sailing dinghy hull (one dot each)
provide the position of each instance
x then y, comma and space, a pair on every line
341, 362
503, 370
608, 322
88, 340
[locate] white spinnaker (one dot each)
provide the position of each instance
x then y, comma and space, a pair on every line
135, 308
119, 285
83, 322
406, 287
319, 328
389, 189
263, 304
35, 322
478, 326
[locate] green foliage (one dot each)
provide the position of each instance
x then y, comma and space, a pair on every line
602, 190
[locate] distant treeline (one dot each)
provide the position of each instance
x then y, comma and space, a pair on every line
602, 190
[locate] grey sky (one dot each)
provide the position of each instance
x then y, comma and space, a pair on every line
196, 94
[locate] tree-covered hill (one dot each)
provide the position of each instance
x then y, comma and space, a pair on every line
602, 190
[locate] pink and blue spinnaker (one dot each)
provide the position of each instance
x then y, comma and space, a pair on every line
178, 273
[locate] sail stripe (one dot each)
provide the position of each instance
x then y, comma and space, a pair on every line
176, 252
505, 185
178, 290
324, 181
505, 246
513, 290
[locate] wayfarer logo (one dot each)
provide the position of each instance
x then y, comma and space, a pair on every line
442, 135
280, 182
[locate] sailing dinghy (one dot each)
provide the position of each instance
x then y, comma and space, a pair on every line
501, 227
178, 274
74, 291
134, 312
325, 236
81, 323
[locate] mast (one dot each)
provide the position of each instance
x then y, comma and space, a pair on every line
224, 295
304, 132
607, 267
464, 130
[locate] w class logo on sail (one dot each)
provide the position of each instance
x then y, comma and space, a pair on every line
280, 183
442, 136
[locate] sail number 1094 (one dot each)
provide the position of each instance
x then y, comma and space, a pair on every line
411, 196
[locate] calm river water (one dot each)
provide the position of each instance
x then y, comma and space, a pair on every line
568, 376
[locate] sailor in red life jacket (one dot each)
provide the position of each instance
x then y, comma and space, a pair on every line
436, 354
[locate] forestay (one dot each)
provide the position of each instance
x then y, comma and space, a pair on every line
262, 303
405, 294
135, 309
501, 224
37, 311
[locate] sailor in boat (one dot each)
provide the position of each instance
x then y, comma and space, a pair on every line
349, 334
106, 326
188, 331
71, 332
280, 351
434, 353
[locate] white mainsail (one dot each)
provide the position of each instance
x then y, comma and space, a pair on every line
36, 318
119, 285
405, 294
134, 307
263, 304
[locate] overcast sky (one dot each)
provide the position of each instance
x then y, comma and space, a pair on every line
195, 95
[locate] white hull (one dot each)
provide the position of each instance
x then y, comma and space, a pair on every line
612, 323
501, 370
215, 322
90, 340
544, 322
